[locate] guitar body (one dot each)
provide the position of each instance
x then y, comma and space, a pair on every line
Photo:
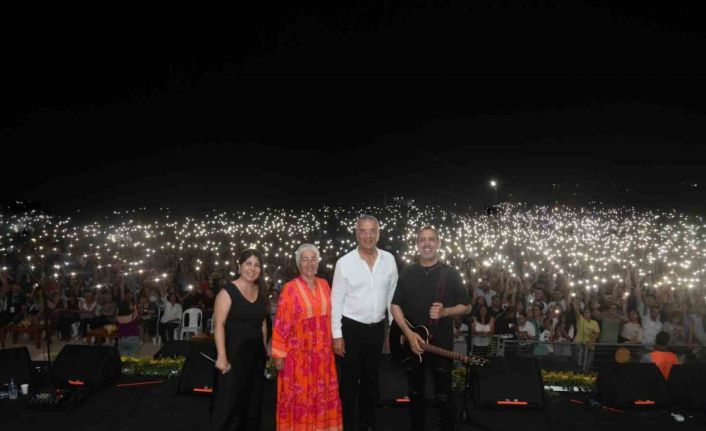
401, 351
399, 347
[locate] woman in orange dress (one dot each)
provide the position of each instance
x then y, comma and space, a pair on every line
307, 385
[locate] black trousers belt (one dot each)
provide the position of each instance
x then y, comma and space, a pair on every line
355, 322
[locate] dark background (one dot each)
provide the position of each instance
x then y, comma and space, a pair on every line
298, 105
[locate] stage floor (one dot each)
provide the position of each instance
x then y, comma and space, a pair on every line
161, 407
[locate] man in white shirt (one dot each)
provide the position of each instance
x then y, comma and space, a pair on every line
649, 311
651, 326
171, 318
363, 284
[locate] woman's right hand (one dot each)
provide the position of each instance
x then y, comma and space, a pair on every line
223, 365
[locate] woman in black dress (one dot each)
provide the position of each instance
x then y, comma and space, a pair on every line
240, 332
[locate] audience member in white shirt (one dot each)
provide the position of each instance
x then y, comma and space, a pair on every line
170, 318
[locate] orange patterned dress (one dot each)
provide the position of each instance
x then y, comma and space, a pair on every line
307, 387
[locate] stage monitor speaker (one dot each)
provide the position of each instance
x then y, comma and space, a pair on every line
15, 363
393, 387
632, 385
686, 386
89, 367
175, 348
198, 373
509, 382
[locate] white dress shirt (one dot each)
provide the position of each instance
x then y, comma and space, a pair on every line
359, 293
171, 312
651, 329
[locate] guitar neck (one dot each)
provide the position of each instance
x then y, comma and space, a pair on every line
443, 352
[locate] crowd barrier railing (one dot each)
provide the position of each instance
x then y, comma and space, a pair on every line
572, 356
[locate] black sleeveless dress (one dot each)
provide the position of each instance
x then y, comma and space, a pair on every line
237, 394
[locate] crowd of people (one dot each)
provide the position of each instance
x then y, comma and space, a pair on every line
537, 276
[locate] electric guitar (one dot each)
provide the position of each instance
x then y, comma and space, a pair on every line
401, 351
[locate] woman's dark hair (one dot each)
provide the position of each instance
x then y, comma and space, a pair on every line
124, 308
558, 325
261, 284
480, 319
639, 318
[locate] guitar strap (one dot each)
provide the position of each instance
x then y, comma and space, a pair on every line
440, 287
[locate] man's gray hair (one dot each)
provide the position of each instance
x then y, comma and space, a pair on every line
306, 247
367, 217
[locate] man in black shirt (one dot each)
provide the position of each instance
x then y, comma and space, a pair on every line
420, 299
495, 307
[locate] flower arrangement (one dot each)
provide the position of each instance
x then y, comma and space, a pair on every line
109, 329
567, 379
271, 370
165, 367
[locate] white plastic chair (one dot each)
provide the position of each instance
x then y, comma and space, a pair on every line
194, 317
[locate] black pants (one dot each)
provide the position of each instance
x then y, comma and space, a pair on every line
65, 322
166, 330
440, 369
5, 318
358, 373
93, 323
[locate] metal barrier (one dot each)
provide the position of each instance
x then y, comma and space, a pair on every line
561, 354
578, 356
604, 354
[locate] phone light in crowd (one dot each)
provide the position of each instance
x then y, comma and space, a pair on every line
164, 275
191, 287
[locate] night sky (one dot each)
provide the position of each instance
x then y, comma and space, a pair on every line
297, 105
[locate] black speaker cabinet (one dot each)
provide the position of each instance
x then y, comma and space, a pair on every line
686, 387
509, 382
90, 367
15, 363
393, 386
198, 374
632, 385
